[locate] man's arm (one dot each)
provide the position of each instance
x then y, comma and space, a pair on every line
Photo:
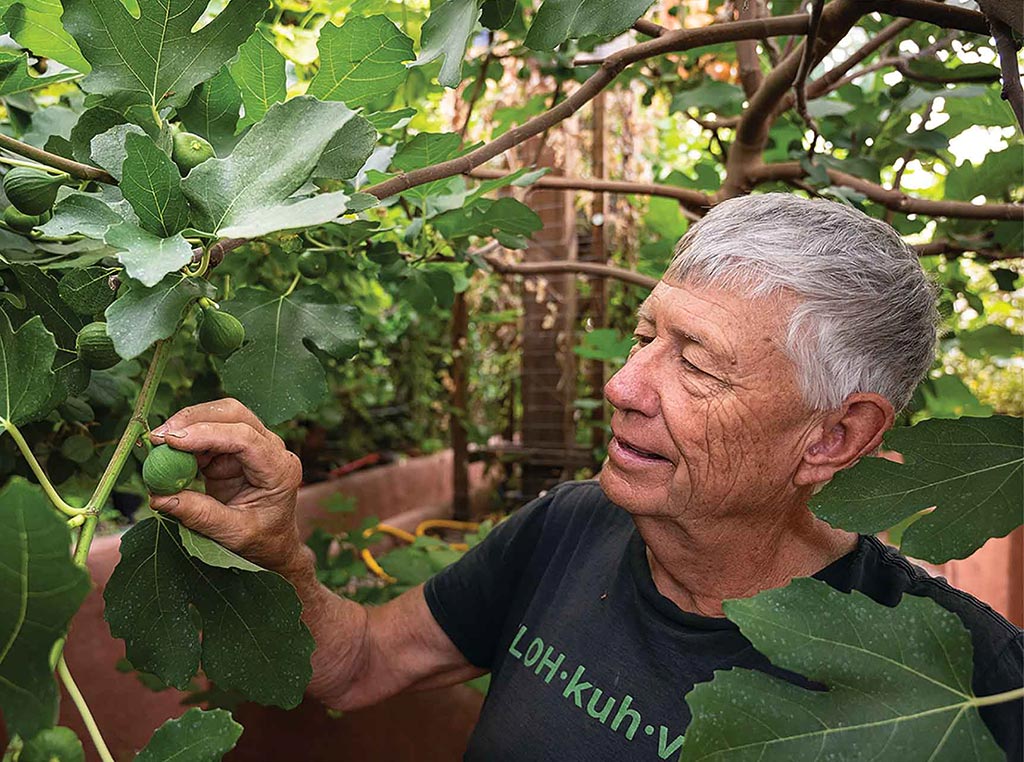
366, 654
363, 655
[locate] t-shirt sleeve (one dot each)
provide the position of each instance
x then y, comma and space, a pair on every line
1006, 720
470, 599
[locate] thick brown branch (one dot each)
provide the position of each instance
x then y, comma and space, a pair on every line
893, 199
73, 168
568, 266
693, 200
942, 246
752, 131
672, 42
948, 16
746, 52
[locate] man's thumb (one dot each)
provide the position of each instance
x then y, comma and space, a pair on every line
195, 510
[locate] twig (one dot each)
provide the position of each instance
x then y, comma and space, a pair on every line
892, 199
947, 16
806, 63
44, 482
478, 83
649, 28
692, 200
73, 168
572, 266
1012, 91
898, 178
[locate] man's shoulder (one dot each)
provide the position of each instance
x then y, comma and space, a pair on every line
888, 574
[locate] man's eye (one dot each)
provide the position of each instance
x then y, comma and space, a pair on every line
641, 341
689, 364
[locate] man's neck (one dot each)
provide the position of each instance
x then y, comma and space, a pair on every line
699, 564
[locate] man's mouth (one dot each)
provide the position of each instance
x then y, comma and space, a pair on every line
637, 452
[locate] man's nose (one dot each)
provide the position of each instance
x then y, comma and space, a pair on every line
633, 387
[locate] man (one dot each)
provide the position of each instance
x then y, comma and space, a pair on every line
773, 354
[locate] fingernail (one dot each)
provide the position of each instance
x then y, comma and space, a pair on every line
159, 431
179, 434
163, 503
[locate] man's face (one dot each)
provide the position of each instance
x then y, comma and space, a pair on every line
708, 419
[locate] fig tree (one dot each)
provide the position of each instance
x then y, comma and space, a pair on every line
167, 471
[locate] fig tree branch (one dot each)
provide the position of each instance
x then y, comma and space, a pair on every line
73, 168
610, 68
892, 199
694, 200
649, 28
58, 502
558, 266
1013, 92
83, 709
746, 52
948, 16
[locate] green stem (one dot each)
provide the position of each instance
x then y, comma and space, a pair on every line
291, 288
83, 709
44, 482
998, 698
13, 749
137, 426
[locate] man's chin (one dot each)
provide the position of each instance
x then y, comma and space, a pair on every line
636, 499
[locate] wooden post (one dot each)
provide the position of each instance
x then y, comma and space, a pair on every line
460, 408
599, 286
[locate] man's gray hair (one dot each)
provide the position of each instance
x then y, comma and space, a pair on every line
866, 316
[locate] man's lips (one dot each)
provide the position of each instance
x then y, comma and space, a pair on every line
630, 449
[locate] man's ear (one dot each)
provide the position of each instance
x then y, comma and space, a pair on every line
844, 437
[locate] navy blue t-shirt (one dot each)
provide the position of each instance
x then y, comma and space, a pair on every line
590, 662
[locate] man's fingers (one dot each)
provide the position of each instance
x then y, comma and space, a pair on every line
199, 512
265, 460
226, 410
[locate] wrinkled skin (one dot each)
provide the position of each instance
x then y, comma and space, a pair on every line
724, 514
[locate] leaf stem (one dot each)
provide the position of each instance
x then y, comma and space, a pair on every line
83, 709
44, 482
998, 698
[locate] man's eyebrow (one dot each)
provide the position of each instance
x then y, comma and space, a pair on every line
710, 347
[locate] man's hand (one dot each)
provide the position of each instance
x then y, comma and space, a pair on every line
251, 483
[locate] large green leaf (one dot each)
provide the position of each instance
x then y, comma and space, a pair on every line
253, 639
84, 213
40, 589
898, 683
86, 290
446, 33
990, 340
360, 60
196, 736
247, 193
275, 373
26, 378
213, 110
15, 76
156, 58
145, 314
994, 178
146, 257
152, 185
347, 151
560, 20
969, 469
710, 95
36, 25
259, 73
42, 297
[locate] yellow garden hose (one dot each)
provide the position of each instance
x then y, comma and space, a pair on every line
401, 534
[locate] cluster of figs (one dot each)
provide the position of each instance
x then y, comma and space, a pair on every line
32, 192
